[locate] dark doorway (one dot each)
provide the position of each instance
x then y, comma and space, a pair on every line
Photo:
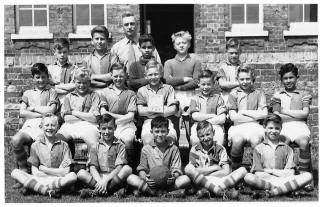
164, 20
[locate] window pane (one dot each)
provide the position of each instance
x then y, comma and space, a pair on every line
310, 12
97, 12
296, 12
25, 18
40, 18
252, 14
237, 14
25, 6
82, 14
40, 6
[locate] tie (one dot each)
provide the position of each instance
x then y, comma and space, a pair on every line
131, 55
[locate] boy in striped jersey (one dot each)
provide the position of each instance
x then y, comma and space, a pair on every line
273, 166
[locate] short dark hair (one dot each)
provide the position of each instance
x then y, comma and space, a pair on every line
160, 122
127, 14
118, 66
38, 68
205, 74
146, 38
204, 124
233, 43
106, 118
288, 67
274, 118
61, 43
100, 29
246, 69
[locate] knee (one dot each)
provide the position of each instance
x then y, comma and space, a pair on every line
250, 178
72, 177
303, 142
189, 169
82, 174
127, 170
16, 140
242, 171
254, 142
14, 173
183, 181
307, 176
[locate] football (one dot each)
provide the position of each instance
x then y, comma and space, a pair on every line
160, 175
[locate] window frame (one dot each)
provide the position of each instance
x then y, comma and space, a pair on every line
242, 30
301, 28
32, 32
84, 31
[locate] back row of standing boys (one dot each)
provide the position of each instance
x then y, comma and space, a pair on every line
159, 96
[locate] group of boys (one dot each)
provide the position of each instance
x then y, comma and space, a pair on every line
97, 103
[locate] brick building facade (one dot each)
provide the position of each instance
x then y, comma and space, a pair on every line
277, 41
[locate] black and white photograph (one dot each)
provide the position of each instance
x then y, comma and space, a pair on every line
197, 101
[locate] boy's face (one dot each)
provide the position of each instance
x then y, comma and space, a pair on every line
146, 49
40, 80
206, 85
181, 45
245, 81
82, 85
50, 126
160, 134
289, 81
153, 76
61, 55
129, 26
107, 131
233, 55
118, 77
206, 136
273, 130
99, 41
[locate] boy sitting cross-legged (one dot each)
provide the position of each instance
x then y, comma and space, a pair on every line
273, 166
34, 103
208, 165
107, 162
50, 160
156, 99
160, 152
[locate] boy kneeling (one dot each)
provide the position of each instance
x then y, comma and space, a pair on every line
273, 163
50, 160
107, 162
208, 165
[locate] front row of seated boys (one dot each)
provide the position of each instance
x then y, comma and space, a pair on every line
111, 143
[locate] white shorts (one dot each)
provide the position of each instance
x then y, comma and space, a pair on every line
218, 136
32, 128
295, 130
251, 131
147, 136
184, 97
125, 132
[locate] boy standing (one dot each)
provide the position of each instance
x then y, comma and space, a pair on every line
100, 60
120, 102
79, 110
207, 106
62, 72
160, 152
50, 160
156, 99
208, 163
137, 69
293, 106
246, 106
273, 165
34, 103
107, 162
182, 71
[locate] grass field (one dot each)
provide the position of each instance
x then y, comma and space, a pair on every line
13, 196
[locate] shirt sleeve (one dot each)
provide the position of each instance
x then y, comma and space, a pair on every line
193, 157
24, 98
132, 103
143, 161
67, 160
141, 99
275, 103
257, 165
175, 161
66, 107
221, 107
223, 157
33, 158
262, 100
197, 69
121, 156
53, 98
103, 100
93, 158
95, 104
194, 107
232, 102
290, 159
171, 99
220, 73
306, 99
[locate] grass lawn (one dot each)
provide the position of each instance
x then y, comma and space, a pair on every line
13, 196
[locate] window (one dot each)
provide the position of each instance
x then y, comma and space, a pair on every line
246, 20
87, 16
302, 19
33, 22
